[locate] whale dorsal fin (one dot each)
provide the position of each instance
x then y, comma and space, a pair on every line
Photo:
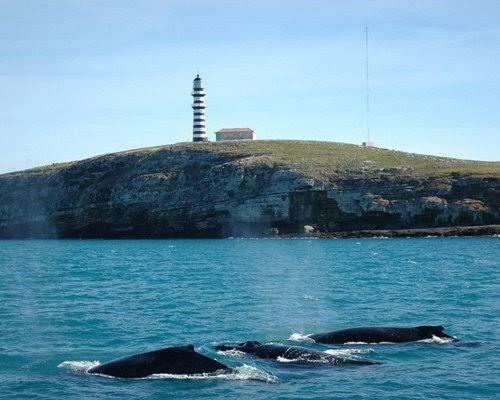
189, 347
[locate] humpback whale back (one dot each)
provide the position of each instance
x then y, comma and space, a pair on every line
171, 360
290, 353
381, 334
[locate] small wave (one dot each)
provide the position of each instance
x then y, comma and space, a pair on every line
232, 352
309, 297
243, 373
287, 360
299, 337
437, 340
364, 343
79, 366
434, 339
301, 360
348, 352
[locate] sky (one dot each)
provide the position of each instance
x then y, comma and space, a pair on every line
82, 78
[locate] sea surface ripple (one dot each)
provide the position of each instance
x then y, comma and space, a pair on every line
66, 305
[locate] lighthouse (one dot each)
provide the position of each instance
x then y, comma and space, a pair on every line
199, 131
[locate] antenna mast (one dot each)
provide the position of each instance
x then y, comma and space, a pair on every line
367, 90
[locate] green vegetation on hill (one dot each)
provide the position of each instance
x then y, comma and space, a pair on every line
323, 158
326, 158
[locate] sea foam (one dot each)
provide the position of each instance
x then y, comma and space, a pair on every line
437, 340
299, 359
242, 373
300, 337
79, 366
232, 352
348, 352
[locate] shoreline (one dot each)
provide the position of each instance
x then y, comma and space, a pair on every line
460, 231
455, 231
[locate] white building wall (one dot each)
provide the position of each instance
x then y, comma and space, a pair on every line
222, 137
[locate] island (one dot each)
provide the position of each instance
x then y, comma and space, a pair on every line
252, 188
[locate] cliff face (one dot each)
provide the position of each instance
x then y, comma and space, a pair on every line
215, 190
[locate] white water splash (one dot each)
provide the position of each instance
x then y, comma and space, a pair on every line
310, 297
292, 360
348, 352
286, 360
243, 373
232, 352
365, 343
79, 366
434, 339
437, 340
299, 337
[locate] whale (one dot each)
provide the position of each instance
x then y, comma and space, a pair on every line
289, 353
183, 360
381, 334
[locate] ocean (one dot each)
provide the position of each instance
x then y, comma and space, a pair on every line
66, 305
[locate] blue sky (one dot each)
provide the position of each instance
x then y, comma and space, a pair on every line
80, 78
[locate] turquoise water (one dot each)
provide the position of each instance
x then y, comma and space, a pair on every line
67, 304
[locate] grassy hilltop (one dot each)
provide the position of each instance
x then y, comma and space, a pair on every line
320, 158
316, 158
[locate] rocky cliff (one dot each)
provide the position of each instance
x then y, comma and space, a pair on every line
247, 188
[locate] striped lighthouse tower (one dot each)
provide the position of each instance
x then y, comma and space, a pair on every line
199, 132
